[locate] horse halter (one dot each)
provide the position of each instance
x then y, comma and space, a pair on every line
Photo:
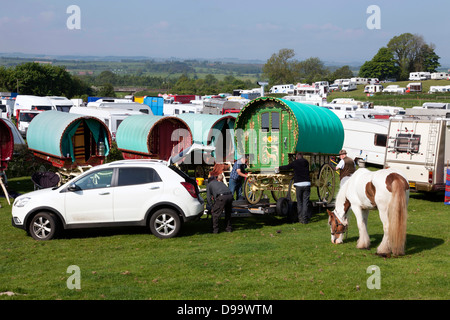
339, 227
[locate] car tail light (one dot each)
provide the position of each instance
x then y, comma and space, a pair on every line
190, 188
430, 176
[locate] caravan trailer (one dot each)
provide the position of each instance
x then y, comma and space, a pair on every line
439, 75
420, 148
27, 102
365, 140
282, 88
111, 117
413, 76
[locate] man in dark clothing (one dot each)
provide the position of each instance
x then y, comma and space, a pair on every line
302, 183
219, 197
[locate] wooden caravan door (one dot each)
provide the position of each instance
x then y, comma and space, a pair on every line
270, 151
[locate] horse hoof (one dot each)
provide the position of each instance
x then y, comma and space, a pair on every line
384, 255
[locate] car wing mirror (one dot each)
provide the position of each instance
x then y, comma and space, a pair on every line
73, 187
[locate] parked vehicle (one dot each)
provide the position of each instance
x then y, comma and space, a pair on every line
419, 146
282, 88
439, 75
6, 108
394, 88
27, 102
419, 76
365, 140
348, 86
123, 193
373, 88
110, 116
61, 103
414, 87
24, 118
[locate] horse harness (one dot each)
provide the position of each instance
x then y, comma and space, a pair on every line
337, 225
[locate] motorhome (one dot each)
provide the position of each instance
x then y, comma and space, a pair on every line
414, 76
6, 108
420, 148
61, 103
110, 116
436, 89
348, 86
282, 88
373, 88
24, 118
365, 140
439, 75
394, 88
28, 102
359, 80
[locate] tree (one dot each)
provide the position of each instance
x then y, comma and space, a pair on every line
343, 72
311, 70
280, 68
107, 90
382, 66
411, 53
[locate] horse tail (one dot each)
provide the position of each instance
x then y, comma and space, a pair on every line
398, 213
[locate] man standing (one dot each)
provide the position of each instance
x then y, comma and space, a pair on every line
346, 165
237, 176
219, 198
302, 183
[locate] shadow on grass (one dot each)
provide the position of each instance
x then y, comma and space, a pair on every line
414, 243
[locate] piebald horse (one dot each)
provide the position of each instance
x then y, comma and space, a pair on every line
386, 190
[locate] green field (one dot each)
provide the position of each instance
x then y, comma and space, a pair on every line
265, 258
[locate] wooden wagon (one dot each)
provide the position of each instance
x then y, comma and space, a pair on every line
69, 142
152, 137
216, 131
271, 131
6, 153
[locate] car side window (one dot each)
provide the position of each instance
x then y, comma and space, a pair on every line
95, 180
133, 176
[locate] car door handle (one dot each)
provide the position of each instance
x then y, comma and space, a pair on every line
153, 188
103, 193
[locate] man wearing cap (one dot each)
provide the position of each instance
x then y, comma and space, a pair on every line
346, 165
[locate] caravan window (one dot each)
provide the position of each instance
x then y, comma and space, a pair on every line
265, 122
45, 108
380, 140
406, 142
275, 121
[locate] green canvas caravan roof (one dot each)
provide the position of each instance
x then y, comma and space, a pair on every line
271, 128
213, 130
67, 139
150, 136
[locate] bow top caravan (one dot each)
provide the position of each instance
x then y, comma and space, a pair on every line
269, 130
6, 145
153, 137
68, 140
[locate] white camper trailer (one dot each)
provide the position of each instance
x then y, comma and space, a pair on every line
27, 102
365, 140
420, 148
419, 76
348, 86
373, 88
282, 88
61, 103
110, 116
439, 75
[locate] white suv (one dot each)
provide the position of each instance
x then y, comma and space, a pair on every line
122, 193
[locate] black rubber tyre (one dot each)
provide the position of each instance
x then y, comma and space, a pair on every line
43, 226
165, 223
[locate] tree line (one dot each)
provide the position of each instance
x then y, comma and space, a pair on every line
403, 54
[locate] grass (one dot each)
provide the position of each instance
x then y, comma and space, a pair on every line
265, 258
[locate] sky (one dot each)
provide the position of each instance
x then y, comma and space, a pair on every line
332, 30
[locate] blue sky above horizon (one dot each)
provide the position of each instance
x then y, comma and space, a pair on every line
245, 29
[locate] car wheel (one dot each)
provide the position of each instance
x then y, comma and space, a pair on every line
43, 226
165, 223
